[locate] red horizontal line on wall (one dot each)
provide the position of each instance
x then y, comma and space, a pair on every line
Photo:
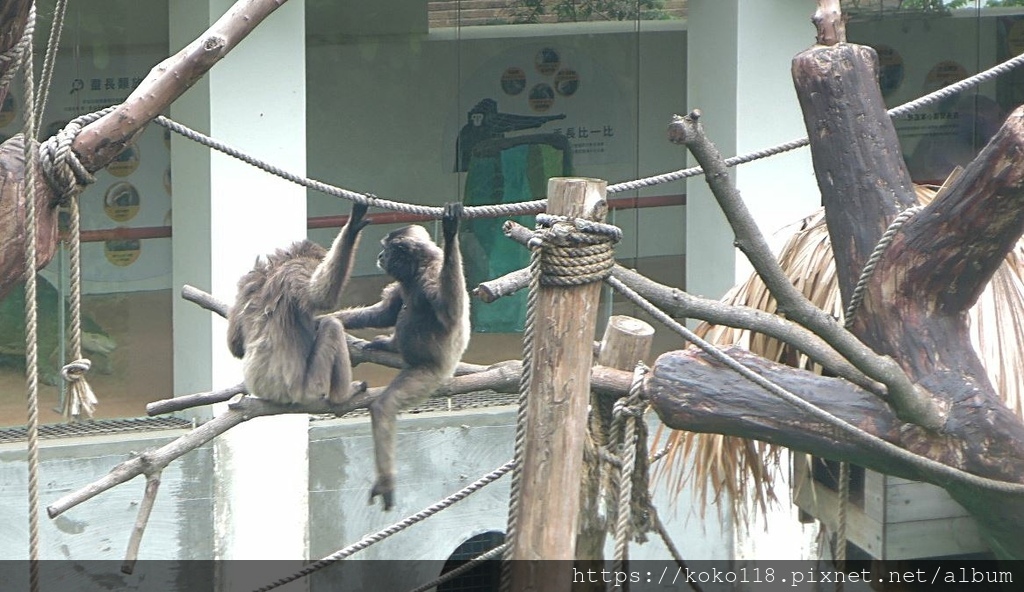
146, 232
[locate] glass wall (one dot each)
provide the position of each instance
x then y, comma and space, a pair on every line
924, 46
482, 102
106, 49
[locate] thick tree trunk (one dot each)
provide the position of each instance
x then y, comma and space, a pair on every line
13, 232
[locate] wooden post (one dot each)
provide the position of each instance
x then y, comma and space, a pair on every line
626, 341
556, 422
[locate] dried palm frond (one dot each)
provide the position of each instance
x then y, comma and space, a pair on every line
745, 470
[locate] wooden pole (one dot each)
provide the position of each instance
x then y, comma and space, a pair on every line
626, 341
556, 421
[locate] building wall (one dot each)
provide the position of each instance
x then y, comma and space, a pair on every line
439, 453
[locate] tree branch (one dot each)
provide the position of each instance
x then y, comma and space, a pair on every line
828, 19
911, 404
967, 230
100, 142
679, 303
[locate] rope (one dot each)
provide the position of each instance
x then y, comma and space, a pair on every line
31, 312
519, 445
627, 411
899, 111
458, 571
66, 174
856, 299
486, 211
48, 62
659, 527
871, 441
574, 252
11, 60
512, 209
876, 255
394, 528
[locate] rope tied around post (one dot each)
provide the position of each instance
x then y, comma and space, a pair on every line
64, 171
574, 251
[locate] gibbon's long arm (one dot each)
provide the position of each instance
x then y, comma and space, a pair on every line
452, 279
381, 315
329, 278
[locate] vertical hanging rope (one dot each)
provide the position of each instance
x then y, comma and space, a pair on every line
31, 318
524, 398
624, 409
80, 395
48, 62
856, 298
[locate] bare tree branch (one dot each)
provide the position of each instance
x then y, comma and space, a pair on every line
910, 403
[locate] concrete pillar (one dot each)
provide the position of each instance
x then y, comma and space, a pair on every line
225, 214
738, 73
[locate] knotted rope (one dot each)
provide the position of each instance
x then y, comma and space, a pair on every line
634, 503
69, 178
574, 251
564, 252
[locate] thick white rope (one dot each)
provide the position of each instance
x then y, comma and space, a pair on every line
31, 311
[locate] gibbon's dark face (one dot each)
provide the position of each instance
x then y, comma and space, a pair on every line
405, 250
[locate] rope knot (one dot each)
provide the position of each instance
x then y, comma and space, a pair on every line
75, 371
63, 170
574, 251
80, 395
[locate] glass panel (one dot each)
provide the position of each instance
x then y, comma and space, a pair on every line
106, 50
926, 45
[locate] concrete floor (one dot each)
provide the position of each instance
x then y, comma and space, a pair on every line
142, 362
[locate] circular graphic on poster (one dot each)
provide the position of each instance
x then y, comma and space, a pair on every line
513, 80
890, 69
8, 110
567, 82
542, 97
123, 252
126, 162
121, 201
1015, 38
547, 61
943, 74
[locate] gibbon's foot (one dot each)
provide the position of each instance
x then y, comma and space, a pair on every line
385, 488
379, 343
355, 388
356, 216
